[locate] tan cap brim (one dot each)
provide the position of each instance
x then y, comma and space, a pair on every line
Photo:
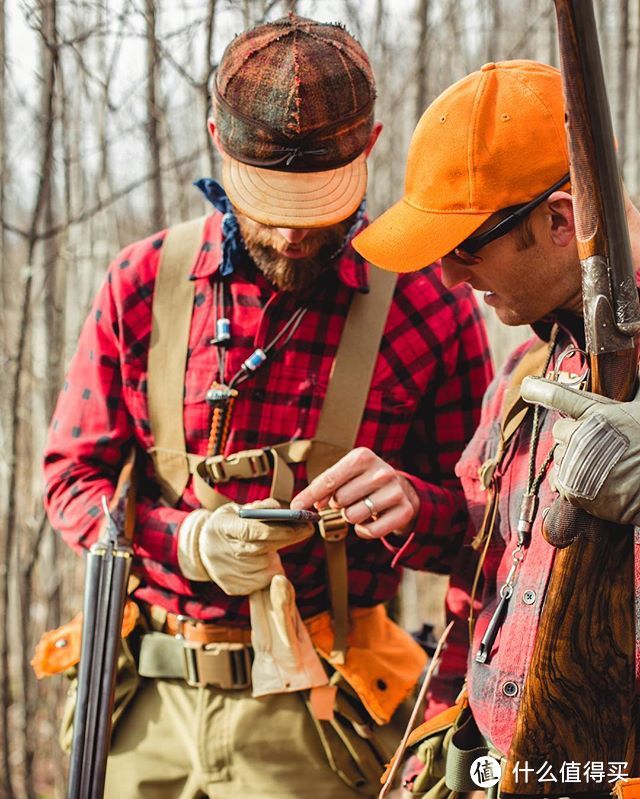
406, 238
295, 199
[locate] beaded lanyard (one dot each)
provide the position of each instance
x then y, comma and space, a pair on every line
221, 396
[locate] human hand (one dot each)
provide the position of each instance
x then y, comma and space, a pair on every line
239, 555
597, 455
371, 494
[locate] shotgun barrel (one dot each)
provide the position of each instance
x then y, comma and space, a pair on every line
105, 591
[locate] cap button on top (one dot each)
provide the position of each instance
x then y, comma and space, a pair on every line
487, 67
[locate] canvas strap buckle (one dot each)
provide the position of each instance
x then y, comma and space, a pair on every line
332, 525
226, 666
245, 465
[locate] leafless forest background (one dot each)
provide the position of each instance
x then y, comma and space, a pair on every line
102, 130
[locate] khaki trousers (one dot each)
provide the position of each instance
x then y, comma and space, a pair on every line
179, 742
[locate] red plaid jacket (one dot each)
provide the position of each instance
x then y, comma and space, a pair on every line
422, 408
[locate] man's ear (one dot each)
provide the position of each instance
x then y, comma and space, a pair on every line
373, 138
213, 132
562, 228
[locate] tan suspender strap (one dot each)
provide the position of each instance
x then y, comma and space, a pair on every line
352, 371
339, 423
171, 322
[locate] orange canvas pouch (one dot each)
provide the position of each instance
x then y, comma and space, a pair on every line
382, 665
59, 650
383, 661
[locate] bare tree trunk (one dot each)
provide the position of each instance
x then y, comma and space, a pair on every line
45, 340
3, 175
422, 58
205, 87
153, 113
494, 39
635, 187
13, 520
623, 71
552, 54
6, 532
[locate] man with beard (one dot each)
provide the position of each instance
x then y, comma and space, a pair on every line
270, 390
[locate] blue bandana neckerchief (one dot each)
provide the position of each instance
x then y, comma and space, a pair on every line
233, 249
232, 244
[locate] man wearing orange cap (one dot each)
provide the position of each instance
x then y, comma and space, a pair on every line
294, 359
504, 224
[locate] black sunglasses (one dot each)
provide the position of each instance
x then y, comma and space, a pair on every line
465, 252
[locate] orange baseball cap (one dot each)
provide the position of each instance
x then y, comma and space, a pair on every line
494, 139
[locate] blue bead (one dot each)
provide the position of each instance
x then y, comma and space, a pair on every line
256, 359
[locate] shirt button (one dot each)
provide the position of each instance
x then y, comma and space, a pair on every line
529, 597
510, 689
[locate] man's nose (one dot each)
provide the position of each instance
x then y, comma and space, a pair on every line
453, 274
293, 235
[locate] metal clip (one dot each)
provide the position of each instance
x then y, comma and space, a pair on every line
569, 378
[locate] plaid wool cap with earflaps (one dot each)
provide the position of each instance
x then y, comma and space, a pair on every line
294, 96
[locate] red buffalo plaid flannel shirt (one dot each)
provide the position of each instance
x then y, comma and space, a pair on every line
495, 687
423, 407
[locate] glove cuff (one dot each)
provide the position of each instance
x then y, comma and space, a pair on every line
189, 558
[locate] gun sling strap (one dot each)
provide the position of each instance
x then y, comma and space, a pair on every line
338, 425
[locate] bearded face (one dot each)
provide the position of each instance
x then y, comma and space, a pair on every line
296, 265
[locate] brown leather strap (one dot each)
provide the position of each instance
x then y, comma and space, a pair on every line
199, 632
172, 308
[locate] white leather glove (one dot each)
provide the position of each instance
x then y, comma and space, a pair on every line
284, 657
239, 555
597, 458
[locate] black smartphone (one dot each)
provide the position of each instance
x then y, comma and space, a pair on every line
279, 515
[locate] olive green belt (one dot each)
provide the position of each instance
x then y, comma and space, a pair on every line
171, 657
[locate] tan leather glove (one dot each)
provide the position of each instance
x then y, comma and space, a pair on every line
284, 657
239, 555
597, 455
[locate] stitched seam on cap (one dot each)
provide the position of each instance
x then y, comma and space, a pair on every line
561, 134
472, 134
470, 211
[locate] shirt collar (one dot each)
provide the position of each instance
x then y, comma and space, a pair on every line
224, 250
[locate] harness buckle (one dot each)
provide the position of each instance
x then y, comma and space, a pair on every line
244, 465
332, 525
